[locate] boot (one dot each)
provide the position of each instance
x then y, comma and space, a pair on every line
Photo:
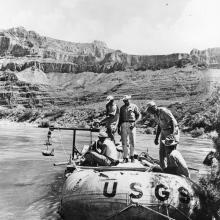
132, 159
125, 160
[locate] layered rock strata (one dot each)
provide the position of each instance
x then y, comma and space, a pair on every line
42, 71
21, 49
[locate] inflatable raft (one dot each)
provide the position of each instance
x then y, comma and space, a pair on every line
128, 191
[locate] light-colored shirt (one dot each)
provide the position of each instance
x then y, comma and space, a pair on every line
165, 119
176, 160
111, 150
112, 116
129, 113
106, 148
111, 109
112, 113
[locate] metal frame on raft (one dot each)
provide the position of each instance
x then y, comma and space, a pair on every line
74, 149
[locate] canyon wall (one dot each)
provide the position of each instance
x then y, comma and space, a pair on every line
209, 57
21, 49
43, 71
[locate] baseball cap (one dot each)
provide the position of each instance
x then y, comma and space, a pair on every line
126, 97
109, 98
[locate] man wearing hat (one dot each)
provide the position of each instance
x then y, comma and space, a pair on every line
102, 152
167, 125
112, 118
129, 115
175, 161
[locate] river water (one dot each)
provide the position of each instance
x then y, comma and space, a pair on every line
30, 186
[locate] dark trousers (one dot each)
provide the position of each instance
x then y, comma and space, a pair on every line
111, 133
93, 159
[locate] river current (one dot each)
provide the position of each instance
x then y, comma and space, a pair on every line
30, 186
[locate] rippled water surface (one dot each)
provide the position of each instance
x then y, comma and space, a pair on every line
30, 186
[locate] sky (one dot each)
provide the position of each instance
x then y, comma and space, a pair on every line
133, 26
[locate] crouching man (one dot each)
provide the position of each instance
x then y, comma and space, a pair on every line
175, 161
101, 153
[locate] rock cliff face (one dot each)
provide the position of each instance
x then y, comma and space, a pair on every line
21, 49
19, 42
14, 92
37, 93
121, 61
38, 71
209, 57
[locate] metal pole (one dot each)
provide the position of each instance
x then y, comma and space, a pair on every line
90, 137
74, 143
77, 129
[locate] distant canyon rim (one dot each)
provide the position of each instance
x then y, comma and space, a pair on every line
45, 80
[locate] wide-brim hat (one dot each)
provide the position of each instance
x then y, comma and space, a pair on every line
126, 97
109, 98
102, 134
170, 141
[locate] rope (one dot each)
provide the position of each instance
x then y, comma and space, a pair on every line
121, 211
156, 212
152, 210
136, 205
167, 210
180, 212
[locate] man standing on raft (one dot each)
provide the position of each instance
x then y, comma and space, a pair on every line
167, 125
